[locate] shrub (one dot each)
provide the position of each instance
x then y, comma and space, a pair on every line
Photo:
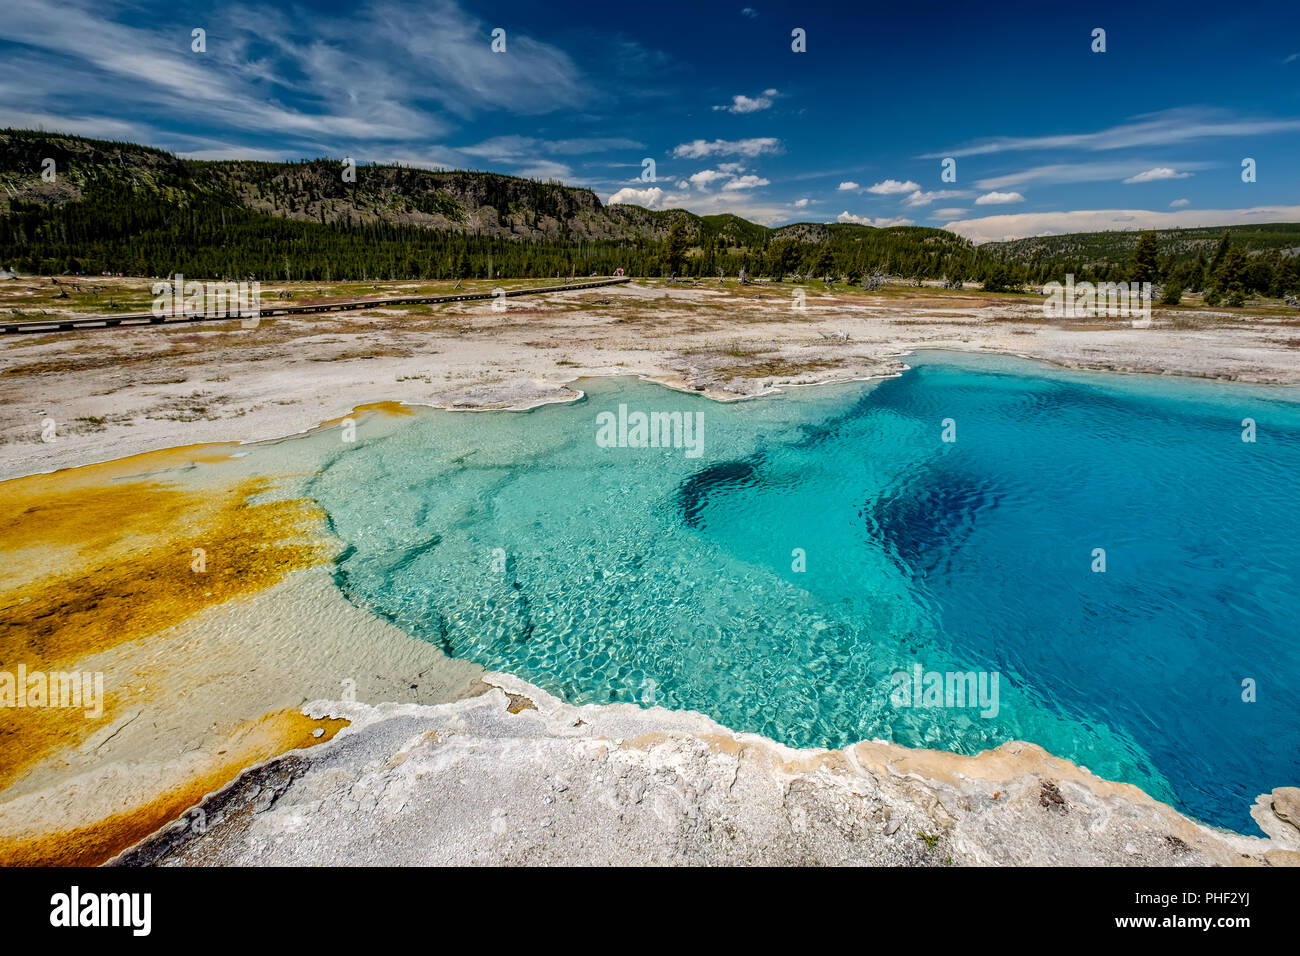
1172, 295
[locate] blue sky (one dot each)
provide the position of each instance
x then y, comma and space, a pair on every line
1047, 135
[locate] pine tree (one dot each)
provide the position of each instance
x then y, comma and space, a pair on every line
1196, 278
1145, 258
677, 244
1224, 242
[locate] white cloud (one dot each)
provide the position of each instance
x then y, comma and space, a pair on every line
921, 198
705, 177
1017, 226
730, 172
800, 203
650, 198
746, 182
1072, 173
1180, 203
330, 85
546, 169
749, 104
868, 221
892, 187
846, 186
699, 148
527, 148
951, 212
739, 203
1155, 129
749, 12
998, 199
1156, 174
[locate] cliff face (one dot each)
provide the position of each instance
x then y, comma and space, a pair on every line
514, 775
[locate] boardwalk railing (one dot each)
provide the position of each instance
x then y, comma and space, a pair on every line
72, 324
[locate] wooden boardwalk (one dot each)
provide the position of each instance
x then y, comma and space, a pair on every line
279, 308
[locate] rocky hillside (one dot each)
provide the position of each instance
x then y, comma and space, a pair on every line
480, 203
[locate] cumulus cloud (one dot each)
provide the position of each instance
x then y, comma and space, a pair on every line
846, 186
749, 104
739, 203
998, 199
705, 177
868, 221
746, 182
892, 187
801, 203
729, 174
700, 148
650, 198
1180, 203
1157, 174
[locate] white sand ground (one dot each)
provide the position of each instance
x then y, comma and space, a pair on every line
116, 393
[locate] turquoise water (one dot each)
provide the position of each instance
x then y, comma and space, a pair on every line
647, 575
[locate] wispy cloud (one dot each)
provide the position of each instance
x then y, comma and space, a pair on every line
699, 148
922, 198
1156, 174
337, 82
1165, 128
1180, 203
1076, 173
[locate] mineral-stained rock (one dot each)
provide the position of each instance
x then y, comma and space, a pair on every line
482, 780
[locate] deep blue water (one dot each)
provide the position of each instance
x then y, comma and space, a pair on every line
642, 574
